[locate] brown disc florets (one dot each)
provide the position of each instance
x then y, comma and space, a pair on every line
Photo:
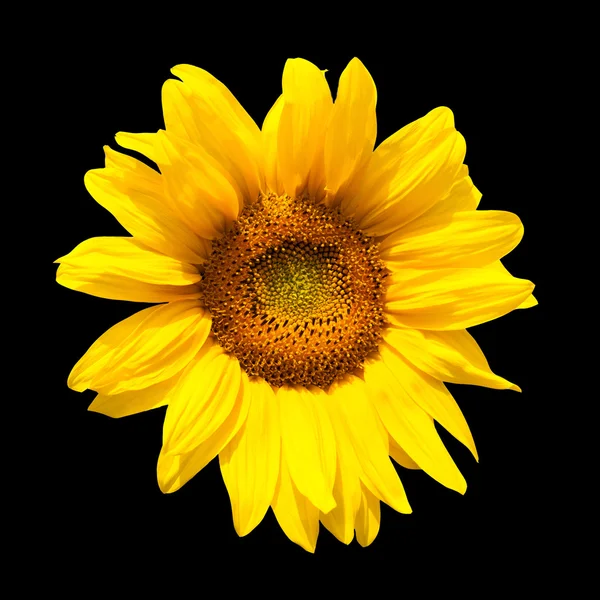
295, 292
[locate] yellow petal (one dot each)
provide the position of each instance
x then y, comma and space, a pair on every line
198, 189
162, 345
346, 490
136, 401
101, 351
368, 518
408, 185
410, 139
410, 426
144, 349
415, 134
353, 126
250, 462
350, 398
431, 395
309, 444
463, 196
296, 516
302, 127
400, 456
269, 137
530, 301
144, 143
446, 355
446, 299
346, 493
121, 268
205, 395
203, 111
173, 471
464, 239
133, 194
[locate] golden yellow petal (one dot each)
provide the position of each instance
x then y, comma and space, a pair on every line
136, 401
205, 395
463, 239
431, 395
270, 130
368, 518
447, 299
297, 517
203, 111
350, 398
163, 345
346, 490
400, 456
463, 196
346, 493
134, 194
452, 356
144, 143
197, 188
144, 349
406, 187
530, 301
250, 462
352, 129
173, 471
309, 444
302, 127
409, 425
411, 140
121, 268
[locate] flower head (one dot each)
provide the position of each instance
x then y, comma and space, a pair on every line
312, 295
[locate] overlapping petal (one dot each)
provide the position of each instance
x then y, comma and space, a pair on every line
368, 518
452, 356
411, 427
407, 174
356, 419
530, 301
309, 443
203, 111
175, 470
352, 127
134, 194
270, 131
135, 401
431, 395
146, 348
250, 462
121, 268
197, 187
448, 299
462, 239
143, 143
307, 106
205, 396
296, 515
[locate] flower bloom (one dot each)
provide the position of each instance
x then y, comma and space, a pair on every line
312, 295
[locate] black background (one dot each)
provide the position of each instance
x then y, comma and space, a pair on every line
98, 480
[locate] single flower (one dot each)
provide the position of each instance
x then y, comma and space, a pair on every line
312, 295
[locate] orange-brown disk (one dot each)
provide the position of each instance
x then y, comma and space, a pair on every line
295, 292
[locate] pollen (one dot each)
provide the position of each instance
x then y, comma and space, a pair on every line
295, 292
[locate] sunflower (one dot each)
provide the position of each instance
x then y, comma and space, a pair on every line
312, 295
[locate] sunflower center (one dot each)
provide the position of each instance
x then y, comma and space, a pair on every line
295, 292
